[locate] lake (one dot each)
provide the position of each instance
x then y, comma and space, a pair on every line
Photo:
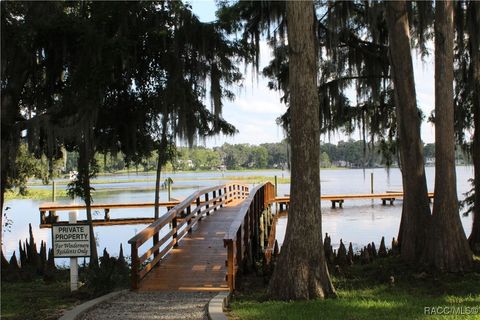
359, 222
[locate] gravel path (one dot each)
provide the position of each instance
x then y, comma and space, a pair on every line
153, 305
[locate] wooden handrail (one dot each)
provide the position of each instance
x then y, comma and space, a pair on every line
180, 220
242, 239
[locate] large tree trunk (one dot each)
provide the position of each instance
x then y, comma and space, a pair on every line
2, 200
157, 184
161, 160
447, 247
84, 159
474, 11
301, 271
416, 208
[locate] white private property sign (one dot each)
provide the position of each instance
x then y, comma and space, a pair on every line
72, 240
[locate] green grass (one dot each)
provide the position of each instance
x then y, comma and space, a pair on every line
35, 194
249, 179
37, 299
365, 292
94, 181
252, 179
45, 194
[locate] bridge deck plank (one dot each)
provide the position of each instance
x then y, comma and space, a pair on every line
198, 263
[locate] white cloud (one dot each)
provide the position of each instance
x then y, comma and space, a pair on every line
260, 106
425, 89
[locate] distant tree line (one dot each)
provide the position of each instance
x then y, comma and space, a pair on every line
351, 154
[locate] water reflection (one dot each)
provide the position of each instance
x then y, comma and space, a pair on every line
361, 224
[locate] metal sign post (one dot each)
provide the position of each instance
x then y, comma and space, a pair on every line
72, 218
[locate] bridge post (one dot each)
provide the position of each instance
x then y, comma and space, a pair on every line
268, 224
215, 201
43, 219
175, 234
262, 231
207, 206
155, 239
256, 204
107, 214
276, 194
134, 277
230, 265
189, 221
52, 216
221, 195
248, 235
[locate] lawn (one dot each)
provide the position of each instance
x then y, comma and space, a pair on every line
367, 292
37, 299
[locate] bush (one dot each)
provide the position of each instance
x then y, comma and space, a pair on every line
110, 274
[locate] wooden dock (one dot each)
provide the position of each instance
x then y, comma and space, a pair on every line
52, 208
340, 198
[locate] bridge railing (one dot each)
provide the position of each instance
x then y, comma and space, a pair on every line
169, 229
243, 238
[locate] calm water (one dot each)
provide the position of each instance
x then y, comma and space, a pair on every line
359, 222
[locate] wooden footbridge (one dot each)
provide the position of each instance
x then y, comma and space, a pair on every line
202, 242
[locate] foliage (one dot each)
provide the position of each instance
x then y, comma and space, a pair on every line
429, 150
107, 75
466, 29
77, 187
366, 292
468, 203
325, 160
110, 274
27, 166
349, 153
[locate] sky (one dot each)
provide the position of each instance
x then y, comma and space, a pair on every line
256, 108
